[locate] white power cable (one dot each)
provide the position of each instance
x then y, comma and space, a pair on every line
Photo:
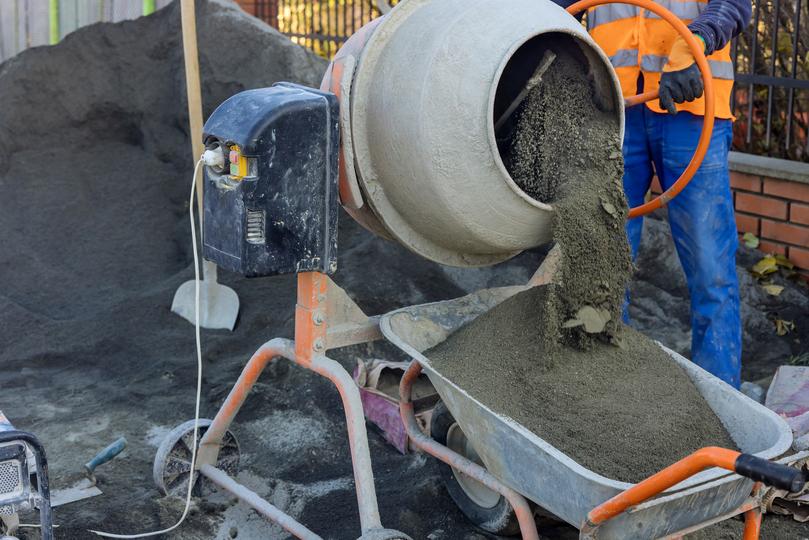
199, 375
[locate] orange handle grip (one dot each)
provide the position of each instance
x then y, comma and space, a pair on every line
708, 118
657, 483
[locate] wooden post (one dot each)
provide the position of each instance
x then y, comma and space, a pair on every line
193, 87
53, 13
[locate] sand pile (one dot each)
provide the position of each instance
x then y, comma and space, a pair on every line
557, 358
95, 169
94, 152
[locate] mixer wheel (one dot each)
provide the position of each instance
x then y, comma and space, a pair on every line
172, 463
485, 508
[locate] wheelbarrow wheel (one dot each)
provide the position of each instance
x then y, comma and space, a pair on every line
484, 507
172, 464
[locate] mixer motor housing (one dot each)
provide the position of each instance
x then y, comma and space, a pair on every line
271, 201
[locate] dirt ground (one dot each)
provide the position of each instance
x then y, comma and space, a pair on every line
94, 175
659, 307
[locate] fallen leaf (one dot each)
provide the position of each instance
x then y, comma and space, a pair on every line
783, 327
780, 260
772, 289
765, 266
609, 208
594, 320
618, 341
750, 240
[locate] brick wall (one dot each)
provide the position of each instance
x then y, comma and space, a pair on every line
775, 210
248, 5
771, 197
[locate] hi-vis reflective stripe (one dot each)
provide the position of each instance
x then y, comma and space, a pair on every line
683, 10
624, 58
609, 13
614, 12
654, 63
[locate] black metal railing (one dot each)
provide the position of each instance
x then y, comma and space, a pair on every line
771, 96
320, 25
770, 99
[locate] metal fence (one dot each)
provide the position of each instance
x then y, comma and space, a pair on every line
320, 25
771, 97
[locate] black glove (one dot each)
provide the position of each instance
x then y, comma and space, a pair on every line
680, 86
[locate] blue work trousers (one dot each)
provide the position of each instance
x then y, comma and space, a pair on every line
702, 225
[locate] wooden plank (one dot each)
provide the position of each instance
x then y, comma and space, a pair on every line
38, 22
7, 45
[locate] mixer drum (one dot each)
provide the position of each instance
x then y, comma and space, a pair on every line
419, 90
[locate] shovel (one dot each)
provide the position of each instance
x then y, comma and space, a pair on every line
218, 304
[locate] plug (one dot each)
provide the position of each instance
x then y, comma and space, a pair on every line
214, 158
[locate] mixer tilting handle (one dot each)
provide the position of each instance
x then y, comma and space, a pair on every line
708, 118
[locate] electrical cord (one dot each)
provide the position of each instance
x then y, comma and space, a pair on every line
191, 475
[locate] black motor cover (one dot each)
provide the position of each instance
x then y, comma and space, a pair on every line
281, 217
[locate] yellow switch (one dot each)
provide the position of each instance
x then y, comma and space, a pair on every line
238, 163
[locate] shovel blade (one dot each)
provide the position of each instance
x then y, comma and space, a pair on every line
218, 304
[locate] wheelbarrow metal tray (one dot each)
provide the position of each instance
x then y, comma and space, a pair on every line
553, 480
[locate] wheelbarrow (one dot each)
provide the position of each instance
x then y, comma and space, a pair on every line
500, 465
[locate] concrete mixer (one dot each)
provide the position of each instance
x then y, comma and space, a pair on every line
402, 135
420, 161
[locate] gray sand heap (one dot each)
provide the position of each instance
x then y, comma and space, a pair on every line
557, 358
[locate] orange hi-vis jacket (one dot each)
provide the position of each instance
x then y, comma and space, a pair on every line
638, 42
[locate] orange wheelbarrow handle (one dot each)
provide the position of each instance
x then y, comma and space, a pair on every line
708, 118
758, 469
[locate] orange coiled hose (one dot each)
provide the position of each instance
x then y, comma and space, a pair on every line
708, 118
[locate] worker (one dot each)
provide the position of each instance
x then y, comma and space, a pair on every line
660, 139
